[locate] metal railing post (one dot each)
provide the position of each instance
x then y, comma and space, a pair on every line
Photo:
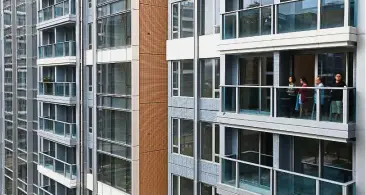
345, 106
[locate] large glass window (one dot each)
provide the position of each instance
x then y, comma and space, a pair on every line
210, 78
115, 172
182, 19
114, 24
210, 141
114, 85
182, 78
297, 16
114, 125
182, 136
208, 189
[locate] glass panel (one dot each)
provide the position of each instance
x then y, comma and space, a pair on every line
175, 21
186, 19
254, 100
254, 179
337, 165
266, 17
288, 184
175, 131
186, 186
229, 100
206, 138
229, 23
186, 78
353, 13
186, 137
306, 161
206, 78
295, 103
329, 188
249, 23
332, 13
297, 16
228, 174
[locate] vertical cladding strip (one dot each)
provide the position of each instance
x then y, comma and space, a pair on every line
14, 103
2, 133
94, 70
153, 97
361, 101
196, 95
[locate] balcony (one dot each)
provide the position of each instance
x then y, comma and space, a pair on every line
241, 176
66, 132
58, 89
58, 168
277, 109
58, 92
60, 13
289, 24
62, 49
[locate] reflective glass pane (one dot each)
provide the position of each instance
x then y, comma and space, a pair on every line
332, 13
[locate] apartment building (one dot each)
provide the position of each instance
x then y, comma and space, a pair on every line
84, 97
247, 113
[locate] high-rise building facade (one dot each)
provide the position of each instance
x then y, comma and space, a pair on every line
84, 97
266, 97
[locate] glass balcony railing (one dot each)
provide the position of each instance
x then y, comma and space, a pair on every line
64, 89
319, 104
61, 49
292, 16
58, 166
61, 128
265, 180
56, 10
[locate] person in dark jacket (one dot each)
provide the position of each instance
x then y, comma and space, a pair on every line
336, 98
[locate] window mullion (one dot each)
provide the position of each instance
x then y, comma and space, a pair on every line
213, 142
179, 121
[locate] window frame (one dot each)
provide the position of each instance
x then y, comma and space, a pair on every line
178, 182
178, 31
176, 149
179, 70
214, 155
215, 91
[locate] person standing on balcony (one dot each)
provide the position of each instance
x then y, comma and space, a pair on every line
319, 84
291, 92
302, 97
336, 98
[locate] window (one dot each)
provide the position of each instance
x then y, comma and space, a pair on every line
115, 172
114, 125
182, 78
183, 138
90, 33
90, 3
114, 85
90, 113
90, 162
90, 77
210, 78
210, 141
22, 139
182, 186
114, 24
332, 13
210, 17
182, 19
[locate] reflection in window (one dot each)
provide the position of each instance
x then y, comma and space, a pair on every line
209, 141
338, 161
182, 136
210, 78
115, 172
182, 19
210, 13
332, 13
114, 25
114, 125
182, 78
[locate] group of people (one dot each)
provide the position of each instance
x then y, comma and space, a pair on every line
298, 97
